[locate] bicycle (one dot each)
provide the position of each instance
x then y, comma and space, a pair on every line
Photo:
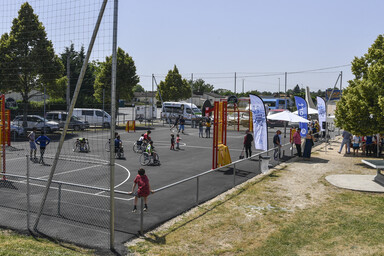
139, 146
81, 145
146, 159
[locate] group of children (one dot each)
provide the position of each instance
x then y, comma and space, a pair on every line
207, 124
178, 139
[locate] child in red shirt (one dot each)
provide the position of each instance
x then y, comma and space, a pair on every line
172, 142
143, 188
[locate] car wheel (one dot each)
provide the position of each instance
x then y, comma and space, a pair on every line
106, 125
48, 130
76, 128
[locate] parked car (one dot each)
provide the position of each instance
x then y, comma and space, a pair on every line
76, 123
93, 116
16, 130
38, 122
275, 123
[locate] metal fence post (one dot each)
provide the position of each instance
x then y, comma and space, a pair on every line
59, 200
141, 215
234, 175
260, 162
28, 194
197, 190
292, 150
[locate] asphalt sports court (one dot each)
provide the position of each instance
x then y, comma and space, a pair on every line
81, 214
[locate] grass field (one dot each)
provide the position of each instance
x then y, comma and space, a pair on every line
257, 218
17, 244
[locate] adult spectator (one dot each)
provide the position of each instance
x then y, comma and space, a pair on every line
248, 138
346, 141
297, 141
277, 144
309, 142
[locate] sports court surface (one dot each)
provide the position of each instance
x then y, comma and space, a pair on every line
80, 214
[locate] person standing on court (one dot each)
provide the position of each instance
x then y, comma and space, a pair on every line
208, 128
248, 138
201, 129
277, 144
346, 141
181, 126
32, 144
297, 141
143, 189
43, 141
176, 123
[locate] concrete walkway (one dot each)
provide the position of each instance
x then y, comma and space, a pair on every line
362, 178
363, 183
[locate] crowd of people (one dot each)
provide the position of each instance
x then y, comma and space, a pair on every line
368, 144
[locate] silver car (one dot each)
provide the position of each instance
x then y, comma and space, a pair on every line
38, 122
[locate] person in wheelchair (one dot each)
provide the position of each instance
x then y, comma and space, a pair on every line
83, 144
151, 152
118, 145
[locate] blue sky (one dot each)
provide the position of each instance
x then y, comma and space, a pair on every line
257, 37
259, 40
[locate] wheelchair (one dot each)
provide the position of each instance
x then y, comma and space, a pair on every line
139, 146
119, 152
81, 145
146, 159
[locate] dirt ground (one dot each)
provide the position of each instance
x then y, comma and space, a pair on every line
302, 182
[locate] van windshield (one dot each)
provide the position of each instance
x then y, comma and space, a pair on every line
196, 110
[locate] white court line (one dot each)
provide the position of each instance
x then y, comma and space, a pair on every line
75, 191
76, 170
121, 183
7, 159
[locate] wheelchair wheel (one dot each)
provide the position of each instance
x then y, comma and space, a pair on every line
137, 148
108, 146
144, 158
76, 146
86, 147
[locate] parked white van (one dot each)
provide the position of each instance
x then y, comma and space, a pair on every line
93, 116
171, 110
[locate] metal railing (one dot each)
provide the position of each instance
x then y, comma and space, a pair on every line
196, 177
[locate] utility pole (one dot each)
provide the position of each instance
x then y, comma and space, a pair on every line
341, 80
243, 85
285, 97
69, 80
279, 87
235, 83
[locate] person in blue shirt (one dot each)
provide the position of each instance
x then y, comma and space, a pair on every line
42, 141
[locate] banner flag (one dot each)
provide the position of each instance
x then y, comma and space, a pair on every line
321, 108
302, 109
259, 119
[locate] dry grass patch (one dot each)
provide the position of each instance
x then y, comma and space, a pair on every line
16, 244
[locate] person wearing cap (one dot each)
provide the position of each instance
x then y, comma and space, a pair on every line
297, 141
248, 138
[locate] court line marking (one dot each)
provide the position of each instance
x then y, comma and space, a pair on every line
75, 191
66, 172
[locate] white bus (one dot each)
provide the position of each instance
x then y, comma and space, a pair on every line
171, 110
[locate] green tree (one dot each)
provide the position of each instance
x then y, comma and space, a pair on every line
27, 59
76, 60
199, 85
138, 88
174, 88
361, 107
126, 78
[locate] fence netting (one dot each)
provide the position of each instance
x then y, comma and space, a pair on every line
42, 49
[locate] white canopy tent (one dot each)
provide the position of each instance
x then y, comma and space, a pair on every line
311, 111
287, 116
